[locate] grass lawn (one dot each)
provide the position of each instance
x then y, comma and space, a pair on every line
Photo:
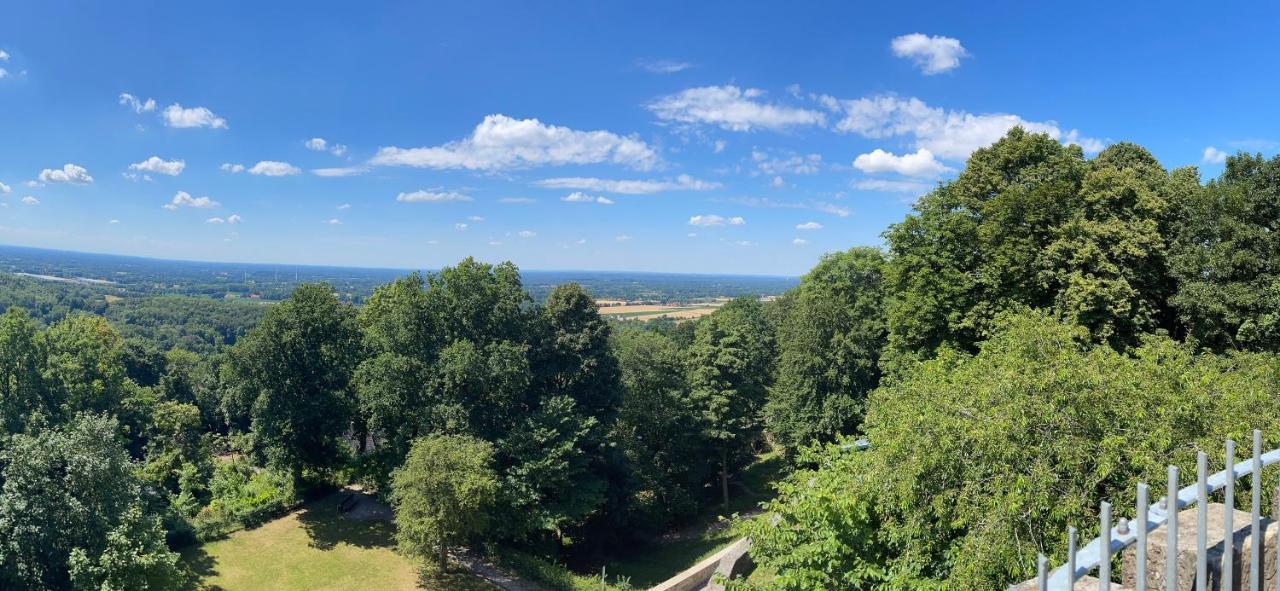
314, 548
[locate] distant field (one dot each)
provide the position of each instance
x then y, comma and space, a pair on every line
650, 311
314, 549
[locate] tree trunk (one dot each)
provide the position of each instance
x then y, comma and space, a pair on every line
724, 478
444, 557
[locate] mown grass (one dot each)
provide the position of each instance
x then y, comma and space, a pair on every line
314, 548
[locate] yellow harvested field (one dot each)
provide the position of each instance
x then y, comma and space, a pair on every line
636, 309
651, 311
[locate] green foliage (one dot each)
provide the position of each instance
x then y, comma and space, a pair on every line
242, 496
71, 514
981, 462
443, 495
730, 367
829, 340
292, 376
23, 394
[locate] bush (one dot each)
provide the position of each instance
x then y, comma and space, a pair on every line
243, 496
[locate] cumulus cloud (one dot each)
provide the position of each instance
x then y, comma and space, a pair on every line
799, 242
274, 168
340, 171
933, 55
580, 197
29, 200
138, 105
822, 206
526, 233
459, 227
233, 218
184, 199
176, 116
231, 168
158, 165
333, 221
344, 207
517, 200
778, 183
920, 164
715, 220
113, 222
809, 226
501, 142
316, 143
214, 220
1213, 155
731, 108
5, 188
69, 173
431, 197
4, 56
951, 135
891, 186
663, 66
622, 238
683, 182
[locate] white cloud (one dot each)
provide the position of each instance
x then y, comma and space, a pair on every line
431, 197
5, 188
809, 226
778, 182
501, 142
920, 164
338, 149
176, 116
344, 207
831, 208
138, 105
459, 227
4, 56
1213, 155
664, 66
113, 222
184, 199
715, 220
234, 218
333, 221
933, 55
792, 164
214, 220
731, 108
29, 200
475, 218
231, 168
891, 186
316, 143
69, 173
719, 146
580, 197
526, 233
951, 135
622, 238
799, 242
4, 73
274, 168
157, 165
515, 200
683, 182
340, 171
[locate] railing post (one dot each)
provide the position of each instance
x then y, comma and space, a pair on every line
1255, 531
1042, 574
1104, 548
1202, 521
1171, 540
1071, 557
1228, 500
1141, 550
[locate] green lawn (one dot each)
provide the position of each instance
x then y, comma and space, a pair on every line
315, 549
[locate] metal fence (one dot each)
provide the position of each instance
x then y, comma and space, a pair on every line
1097, 554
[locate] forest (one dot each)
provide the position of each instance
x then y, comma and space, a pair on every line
1039, 334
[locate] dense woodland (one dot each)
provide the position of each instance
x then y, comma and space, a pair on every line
1042, 332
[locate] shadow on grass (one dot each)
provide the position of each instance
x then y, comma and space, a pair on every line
201, 566
327, 528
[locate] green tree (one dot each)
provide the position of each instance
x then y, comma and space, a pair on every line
23, 394
730, 364
292, 374
829, 343
84, 368
72, 514
442, 495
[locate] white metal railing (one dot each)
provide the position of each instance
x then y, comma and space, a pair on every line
1097, 554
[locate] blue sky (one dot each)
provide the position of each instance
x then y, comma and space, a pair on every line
661, 136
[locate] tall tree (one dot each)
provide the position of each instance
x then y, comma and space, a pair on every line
829, 343
22, 388
730, 364
292, 374
443, 494
72, 514
84, 368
